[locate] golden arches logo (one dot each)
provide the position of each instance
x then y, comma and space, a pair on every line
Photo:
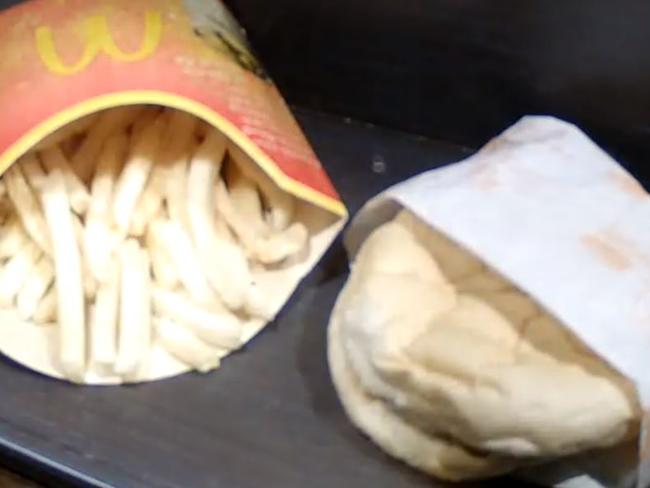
98, 38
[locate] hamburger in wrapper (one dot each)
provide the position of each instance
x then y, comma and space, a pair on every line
497, 315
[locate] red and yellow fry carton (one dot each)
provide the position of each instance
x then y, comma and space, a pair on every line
180, 77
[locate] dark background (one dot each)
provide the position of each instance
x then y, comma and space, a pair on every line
463, 70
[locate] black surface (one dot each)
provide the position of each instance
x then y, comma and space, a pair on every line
463, 70
269, 417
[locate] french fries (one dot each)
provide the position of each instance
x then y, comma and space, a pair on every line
221, 329
100, 239
245, 197
133, 179
108, 123
47, 309
103, 322
88, 280
12, 238
137, 229
180, 133
226, 266
16, 272
35, 288
178, 246
184, 345
54, 158
164, 272
33, 170
280, 204
27, 207
267, 248
68, 276
135, 314
150, 203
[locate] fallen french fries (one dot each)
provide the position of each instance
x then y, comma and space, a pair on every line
138, 229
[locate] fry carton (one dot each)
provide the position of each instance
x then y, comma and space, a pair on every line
152, 173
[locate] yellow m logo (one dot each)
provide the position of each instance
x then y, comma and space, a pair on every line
98, 38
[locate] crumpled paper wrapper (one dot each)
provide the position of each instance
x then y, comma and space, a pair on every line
543, 189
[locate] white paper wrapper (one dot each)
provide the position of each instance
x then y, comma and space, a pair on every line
543, 205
